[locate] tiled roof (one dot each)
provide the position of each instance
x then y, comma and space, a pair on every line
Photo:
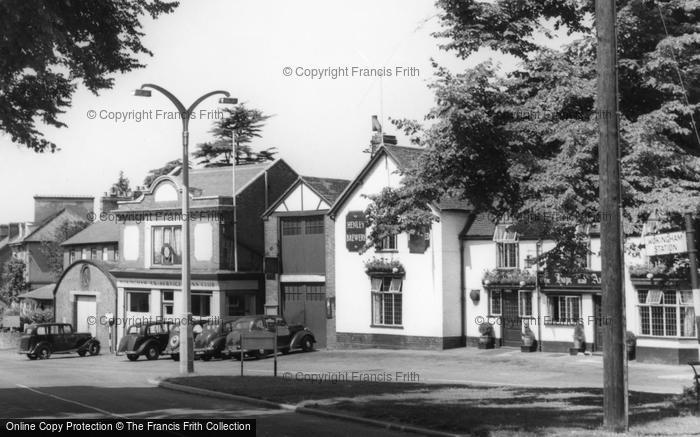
481, 227
218, 181
46, 229
328, 188
99, 232
404, 156
41, 293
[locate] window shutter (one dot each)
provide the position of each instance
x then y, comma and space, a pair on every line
376, 285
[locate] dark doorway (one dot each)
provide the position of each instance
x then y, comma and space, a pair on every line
305, 304
511, 324
598, 325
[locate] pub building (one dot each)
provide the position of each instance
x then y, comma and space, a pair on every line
406, 292
148, 271
432, 291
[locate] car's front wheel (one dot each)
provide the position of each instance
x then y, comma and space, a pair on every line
175, 357
307, 344
152, 353
94, 349
44, 353
132, 357
82, 353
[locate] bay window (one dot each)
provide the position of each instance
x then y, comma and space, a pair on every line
666, 313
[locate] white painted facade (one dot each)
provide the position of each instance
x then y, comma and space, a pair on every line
431, 285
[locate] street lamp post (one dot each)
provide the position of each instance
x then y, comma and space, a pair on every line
186, 341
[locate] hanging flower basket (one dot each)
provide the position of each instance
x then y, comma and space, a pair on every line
660, 271
384, 266
508, 277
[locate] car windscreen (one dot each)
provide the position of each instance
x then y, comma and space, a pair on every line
242, 325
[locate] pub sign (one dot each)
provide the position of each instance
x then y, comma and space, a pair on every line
355, 227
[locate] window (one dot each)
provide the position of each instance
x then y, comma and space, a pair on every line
314, 225
85, 253
291, 226
67, 329
167, 301
525, 303
386, 301
93, 253
200, 304
495, 302
387, 243
157, 329
139, 302
235, 305
505, 234
666, 313
507, 255
166, 245
72, 256
105, 254
565, 309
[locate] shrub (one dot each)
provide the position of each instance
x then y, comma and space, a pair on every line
527, 333
579, 334
687, 402
486, 329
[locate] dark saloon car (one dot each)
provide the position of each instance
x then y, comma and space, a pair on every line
173, 347
211, 342
288, 337
149, 339
42, 340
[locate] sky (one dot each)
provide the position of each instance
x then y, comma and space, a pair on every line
320, 125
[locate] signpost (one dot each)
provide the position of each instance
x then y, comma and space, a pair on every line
257, 341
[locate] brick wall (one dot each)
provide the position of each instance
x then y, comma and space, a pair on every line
272, 250
329, 228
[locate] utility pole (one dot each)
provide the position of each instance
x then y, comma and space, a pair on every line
614, 376
693, 258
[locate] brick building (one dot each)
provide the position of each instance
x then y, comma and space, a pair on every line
299, 256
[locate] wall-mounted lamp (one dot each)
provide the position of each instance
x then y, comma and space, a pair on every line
475, 295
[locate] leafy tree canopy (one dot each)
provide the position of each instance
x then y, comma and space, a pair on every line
246, 125
526, 143
157, 172
47, 46
13, 282
52, 249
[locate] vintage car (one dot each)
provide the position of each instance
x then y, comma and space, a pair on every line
173, 347
211, 342
149, 339
261, 326
42, 340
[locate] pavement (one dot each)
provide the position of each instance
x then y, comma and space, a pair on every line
108, 385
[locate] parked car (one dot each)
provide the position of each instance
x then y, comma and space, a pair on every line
42, 340
211, 342
288, 337
173, 347
149, 339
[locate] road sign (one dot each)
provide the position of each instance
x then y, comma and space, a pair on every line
664, 244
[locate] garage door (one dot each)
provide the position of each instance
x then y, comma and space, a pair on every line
305, 304
86, 312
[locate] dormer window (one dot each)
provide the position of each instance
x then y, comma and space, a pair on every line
506, 247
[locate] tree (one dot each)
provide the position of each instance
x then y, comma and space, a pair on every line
157, 172
48, 46
13, 283
525, 143
246, 125
121, 188
52, 249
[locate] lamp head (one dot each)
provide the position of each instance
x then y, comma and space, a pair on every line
142, 93
228, 100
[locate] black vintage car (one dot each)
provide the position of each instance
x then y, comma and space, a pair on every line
42, 340
288, 337
173, 347
211, 342
149, 339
